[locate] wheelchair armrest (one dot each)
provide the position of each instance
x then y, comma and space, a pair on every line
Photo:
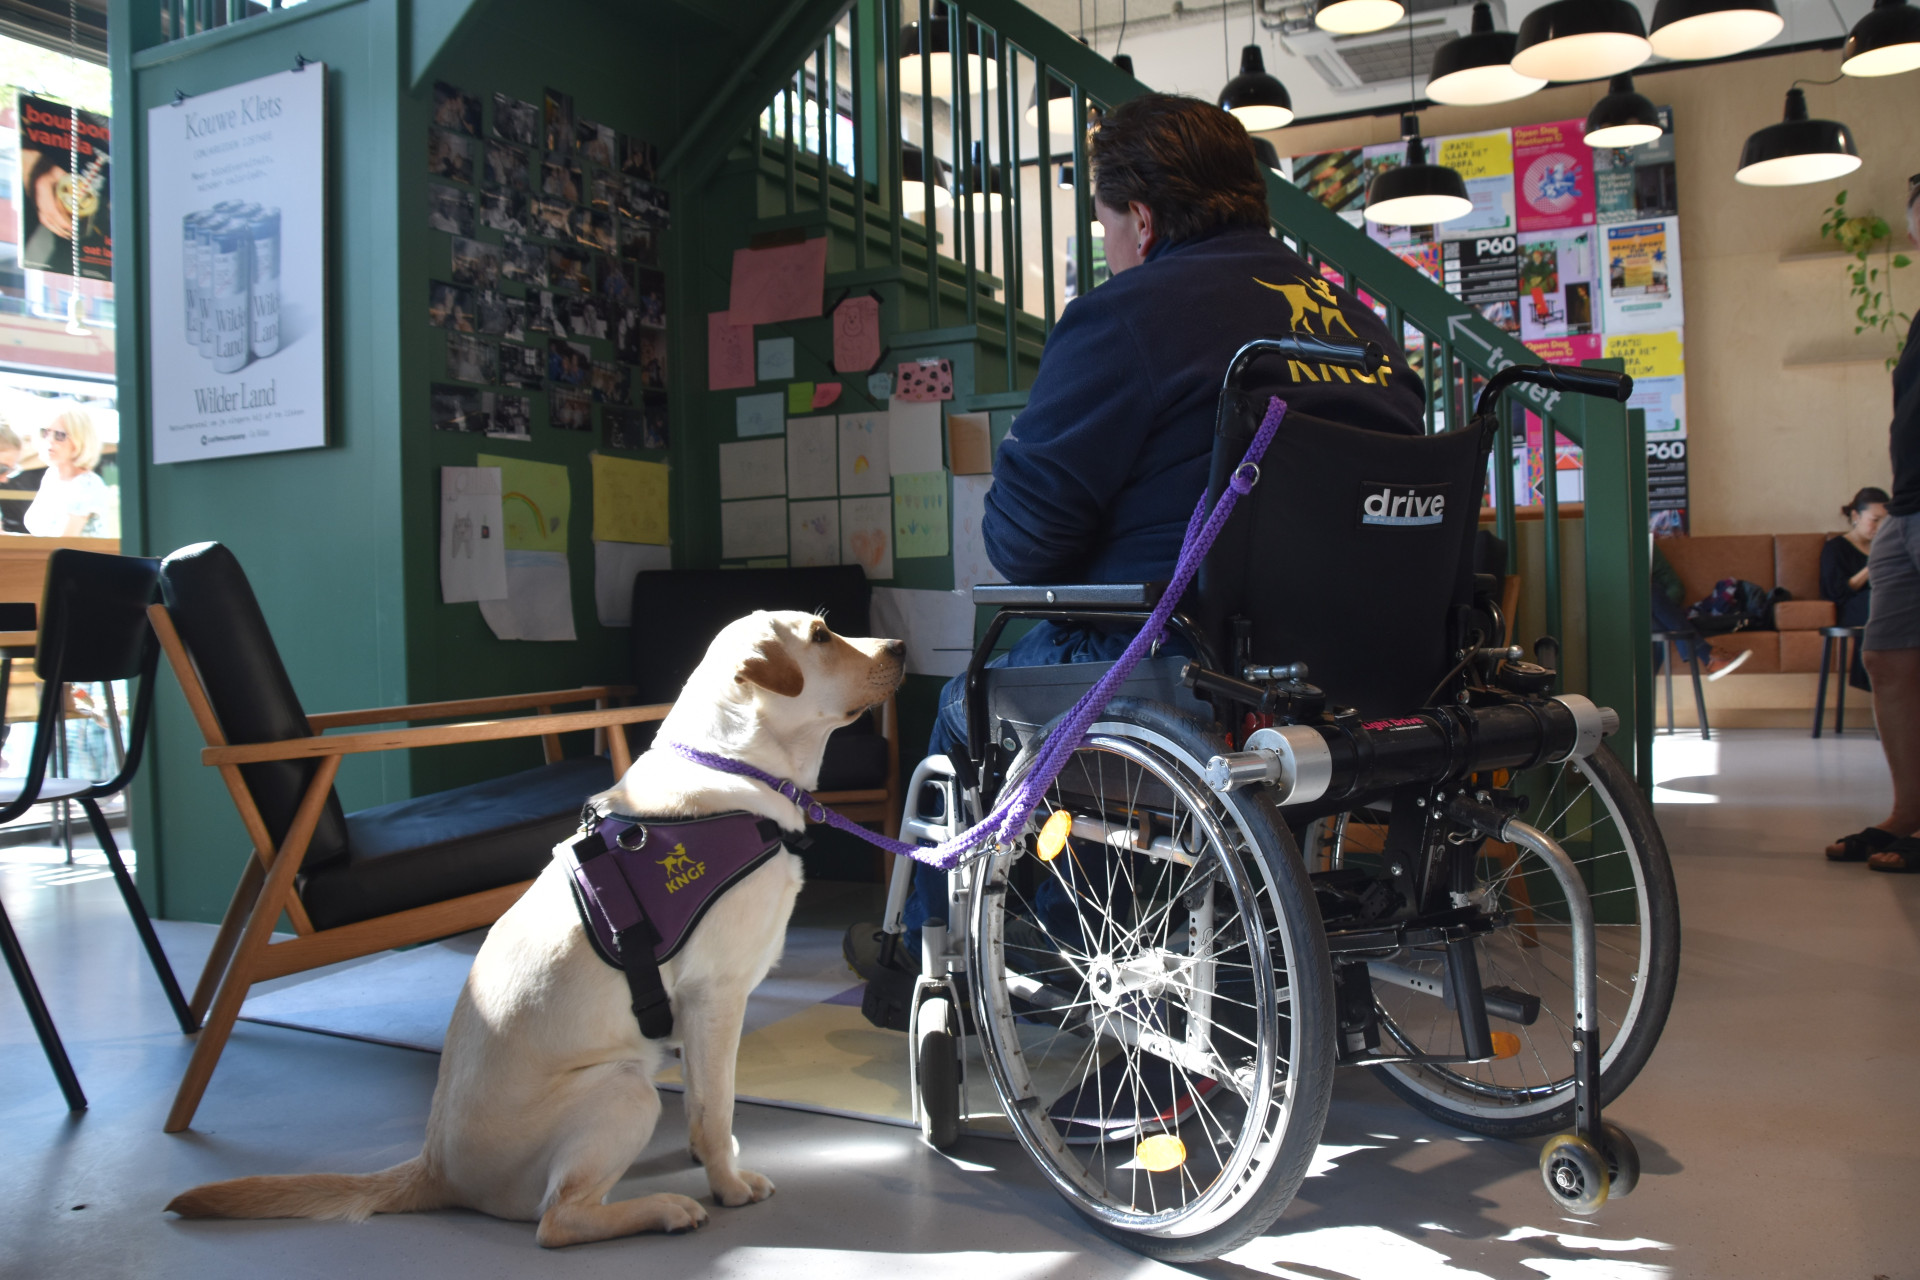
1098, 595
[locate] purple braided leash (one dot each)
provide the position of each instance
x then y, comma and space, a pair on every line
1009, 817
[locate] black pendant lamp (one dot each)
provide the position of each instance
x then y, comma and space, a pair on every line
1268, 155
1059, 106
1416, 194
1064, 180
1255, 98
1885, 42
1688, 30
913, 181
1797, 150
1473, 71
1581, 40
982, 69
1357, 17
1623, 118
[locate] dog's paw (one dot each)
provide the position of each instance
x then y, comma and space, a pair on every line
745, 1187
681, 1213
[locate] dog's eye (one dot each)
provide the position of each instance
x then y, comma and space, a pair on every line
821, 635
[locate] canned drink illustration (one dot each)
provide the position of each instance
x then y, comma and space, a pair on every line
232, 297
189, 278
203, 276
264, 232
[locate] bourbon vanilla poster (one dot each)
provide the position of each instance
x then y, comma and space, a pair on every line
236, 268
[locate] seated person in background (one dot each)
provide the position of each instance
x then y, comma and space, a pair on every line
1843, 568
73, 501
1670, 616
1106, 462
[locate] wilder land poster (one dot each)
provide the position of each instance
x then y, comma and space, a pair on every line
236, 274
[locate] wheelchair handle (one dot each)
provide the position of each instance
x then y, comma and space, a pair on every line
1359, 356
1558, 377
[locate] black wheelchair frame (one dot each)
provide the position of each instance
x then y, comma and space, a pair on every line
1442, 772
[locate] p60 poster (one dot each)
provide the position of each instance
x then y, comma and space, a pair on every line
236, 268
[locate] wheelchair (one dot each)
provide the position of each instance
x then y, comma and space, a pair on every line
1353, 828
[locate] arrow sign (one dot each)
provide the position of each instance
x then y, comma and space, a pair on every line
1461, 326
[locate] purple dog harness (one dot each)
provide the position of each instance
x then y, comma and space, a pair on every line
641, 886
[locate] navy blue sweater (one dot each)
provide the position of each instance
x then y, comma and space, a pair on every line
1103, 467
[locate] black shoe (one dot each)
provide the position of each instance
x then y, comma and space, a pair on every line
1125, 1101
861, 948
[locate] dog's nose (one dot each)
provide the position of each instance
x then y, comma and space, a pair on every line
896, 647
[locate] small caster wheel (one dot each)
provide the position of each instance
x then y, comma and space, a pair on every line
1575, 1173
937, 1067
1623, 1160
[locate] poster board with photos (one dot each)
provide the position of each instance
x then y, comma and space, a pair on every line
237, 268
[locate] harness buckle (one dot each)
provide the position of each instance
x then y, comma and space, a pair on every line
637, 845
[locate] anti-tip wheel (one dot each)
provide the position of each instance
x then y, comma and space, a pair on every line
1623, 1160
937, 1067
1575, 1173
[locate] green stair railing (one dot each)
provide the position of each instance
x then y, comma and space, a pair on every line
1010, 216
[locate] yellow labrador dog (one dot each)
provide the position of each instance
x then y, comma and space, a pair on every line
545, 1094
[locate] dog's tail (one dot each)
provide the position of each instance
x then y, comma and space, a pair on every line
349, 1197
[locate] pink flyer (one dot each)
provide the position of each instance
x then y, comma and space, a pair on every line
1552, 176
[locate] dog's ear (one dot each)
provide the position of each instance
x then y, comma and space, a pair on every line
773, 669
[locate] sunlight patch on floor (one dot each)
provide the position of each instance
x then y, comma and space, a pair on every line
1680, 757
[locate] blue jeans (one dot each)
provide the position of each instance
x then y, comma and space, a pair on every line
1668, 616
1047, 645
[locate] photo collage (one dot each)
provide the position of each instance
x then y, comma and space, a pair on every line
552, 291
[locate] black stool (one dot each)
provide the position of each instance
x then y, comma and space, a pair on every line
1695, 642
1835, 639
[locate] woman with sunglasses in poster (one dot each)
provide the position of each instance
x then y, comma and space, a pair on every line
73, 500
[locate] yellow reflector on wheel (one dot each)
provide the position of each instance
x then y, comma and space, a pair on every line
1506, 1044
1053, 836
1161, 1153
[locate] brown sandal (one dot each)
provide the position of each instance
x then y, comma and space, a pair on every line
1860, 846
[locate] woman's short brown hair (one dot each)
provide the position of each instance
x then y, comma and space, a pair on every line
1187, 160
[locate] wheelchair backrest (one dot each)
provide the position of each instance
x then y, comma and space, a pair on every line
1350, 554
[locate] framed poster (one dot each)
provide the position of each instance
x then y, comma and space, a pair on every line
236, 269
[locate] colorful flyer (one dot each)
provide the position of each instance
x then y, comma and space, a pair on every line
1643, 277
1632, 184
1482, 272
1485, 160
1559, 285
1658, 364
1553, 176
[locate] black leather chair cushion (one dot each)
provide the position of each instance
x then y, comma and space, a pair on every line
683, 609
425, 850
220, 622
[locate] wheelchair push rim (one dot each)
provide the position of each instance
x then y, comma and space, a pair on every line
1189, 1136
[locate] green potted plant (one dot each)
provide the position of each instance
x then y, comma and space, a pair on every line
1861, 237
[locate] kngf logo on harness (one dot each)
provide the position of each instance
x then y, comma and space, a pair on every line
1402, 505
681, 870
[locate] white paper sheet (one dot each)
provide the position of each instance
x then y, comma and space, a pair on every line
812, 458
614, 564
1640, 266
756, 528
866, 535
913, 446
764, 415
863, 453
970, 564
813, 533
473, 535
753, 469
539, 603
775, 362
937, 626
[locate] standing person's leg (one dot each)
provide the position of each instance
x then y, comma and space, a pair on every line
1893, 662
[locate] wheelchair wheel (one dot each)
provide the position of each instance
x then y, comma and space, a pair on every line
1154, 991
1593, 809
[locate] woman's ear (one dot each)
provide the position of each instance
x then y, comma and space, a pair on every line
773, 669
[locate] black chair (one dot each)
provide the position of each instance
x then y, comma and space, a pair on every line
1669, 642
860, 774
353, 883
93, 630
1834, 640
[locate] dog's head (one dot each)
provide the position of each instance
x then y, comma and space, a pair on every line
799, 671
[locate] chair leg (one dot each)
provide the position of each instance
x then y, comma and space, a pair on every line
42, 1020
1840, 702
244, 895
142, 923
1699, 695
1672, 656
1820, 697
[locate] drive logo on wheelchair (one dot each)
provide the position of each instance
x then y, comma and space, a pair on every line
1403, 505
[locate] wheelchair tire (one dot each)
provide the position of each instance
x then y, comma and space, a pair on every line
937, 1070
1167, 1066
1594, 807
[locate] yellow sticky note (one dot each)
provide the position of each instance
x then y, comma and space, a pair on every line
629, 500
799, 397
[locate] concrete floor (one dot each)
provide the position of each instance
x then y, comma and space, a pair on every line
1778, 1119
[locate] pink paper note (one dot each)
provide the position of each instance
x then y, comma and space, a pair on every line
924, 380
729, 352
785, 283
856, 335
825, 393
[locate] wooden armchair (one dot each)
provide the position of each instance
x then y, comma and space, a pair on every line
353, 884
